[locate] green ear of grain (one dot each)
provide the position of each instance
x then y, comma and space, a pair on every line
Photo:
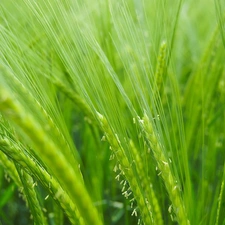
16, 153
51, 156
23, 91
101, 55
24, 181
160, 72
9, 167
147, 186
163, 163
31, 197
127, 170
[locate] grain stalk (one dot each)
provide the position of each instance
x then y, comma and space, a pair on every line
75, 98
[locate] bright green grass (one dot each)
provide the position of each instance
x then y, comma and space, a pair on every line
112, 112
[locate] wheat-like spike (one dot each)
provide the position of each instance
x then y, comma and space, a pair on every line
160, 69
170, 182
44, 147
127, 171
51, 125
15, 152
146, 186
31, 196
9, 168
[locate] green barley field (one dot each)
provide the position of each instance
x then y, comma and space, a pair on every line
112, 112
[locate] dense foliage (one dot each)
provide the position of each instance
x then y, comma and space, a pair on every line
112, 112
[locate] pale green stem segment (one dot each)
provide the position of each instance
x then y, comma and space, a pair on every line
52, 157
220, 199
15, 152
163, 164
76, 99
219, 203
127, 170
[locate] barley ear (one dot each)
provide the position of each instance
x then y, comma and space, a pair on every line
15, 151
147, 186
163, 164
160, 70
51, 125
9, 167
69, 177
31, 196
129, 172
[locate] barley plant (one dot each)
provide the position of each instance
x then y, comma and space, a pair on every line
112, 112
